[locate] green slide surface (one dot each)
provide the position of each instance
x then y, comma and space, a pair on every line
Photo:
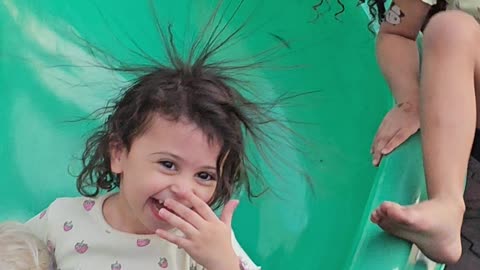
48, 78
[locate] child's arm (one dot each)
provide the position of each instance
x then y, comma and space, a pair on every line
398, 58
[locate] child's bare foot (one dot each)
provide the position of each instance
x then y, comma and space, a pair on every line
433, 225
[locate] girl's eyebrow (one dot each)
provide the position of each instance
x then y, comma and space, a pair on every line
168, 154
209, 168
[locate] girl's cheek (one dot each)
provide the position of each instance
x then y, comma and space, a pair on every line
208, 194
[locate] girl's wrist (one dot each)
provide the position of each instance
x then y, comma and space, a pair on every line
408, 106
231, 262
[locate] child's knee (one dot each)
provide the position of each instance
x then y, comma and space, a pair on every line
452, 29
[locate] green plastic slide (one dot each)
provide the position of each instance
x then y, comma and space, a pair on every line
49, 77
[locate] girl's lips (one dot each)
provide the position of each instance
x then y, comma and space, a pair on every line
156, 205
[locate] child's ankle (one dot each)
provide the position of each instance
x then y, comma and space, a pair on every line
453, 202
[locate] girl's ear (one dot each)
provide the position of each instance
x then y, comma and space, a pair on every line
117, 156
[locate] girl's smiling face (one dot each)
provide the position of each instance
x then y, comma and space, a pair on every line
167, 158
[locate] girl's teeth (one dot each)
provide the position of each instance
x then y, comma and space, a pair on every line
158, 204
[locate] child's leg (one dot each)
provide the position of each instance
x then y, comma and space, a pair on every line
448, 119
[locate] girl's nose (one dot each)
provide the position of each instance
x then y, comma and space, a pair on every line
178, 189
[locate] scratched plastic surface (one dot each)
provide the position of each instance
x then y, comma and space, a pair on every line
48, 78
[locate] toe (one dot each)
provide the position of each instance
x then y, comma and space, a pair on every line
384, 208
395, 213
375, 217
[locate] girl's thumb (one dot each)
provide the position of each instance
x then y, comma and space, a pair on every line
228, 210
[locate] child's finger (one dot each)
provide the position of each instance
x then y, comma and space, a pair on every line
178, 222
184, 212
378, 142
378, 135
201, 207
227, 212
172, 238
377, 157
382, 141
396, 140
380, 145
384, 125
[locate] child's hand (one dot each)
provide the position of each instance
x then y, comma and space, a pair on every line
207, 238
398, 125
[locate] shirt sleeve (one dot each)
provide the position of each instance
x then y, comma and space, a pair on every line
38, 225
245, 262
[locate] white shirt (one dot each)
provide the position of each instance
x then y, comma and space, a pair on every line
75, 230
471, 7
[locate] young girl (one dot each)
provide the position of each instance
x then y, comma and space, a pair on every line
174, 145
443, 102
21, 250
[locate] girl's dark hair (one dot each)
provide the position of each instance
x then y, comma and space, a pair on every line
377, 10
197, 89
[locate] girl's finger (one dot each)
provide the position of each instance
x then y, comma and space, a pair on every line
201, 207
227, 213
383, 141
377, 154
378, 135
396, 140
185, 213
377, 157
172, 238
384, 126
178, 222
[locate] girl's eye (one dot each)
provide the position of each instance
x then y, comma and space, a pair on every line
204, 176
168, 165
